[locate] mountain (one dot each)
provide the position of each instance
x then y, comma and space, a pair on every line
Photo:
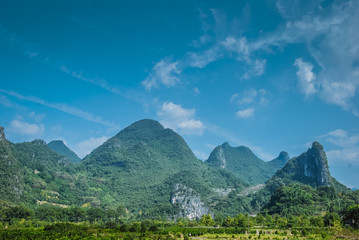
151, 169
151, 172
303, 186
244, 164
11, 181
60, 147
48, 177
310, 168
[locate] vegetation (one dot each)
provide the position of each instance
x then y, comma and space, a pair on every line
110, 224
145, 182
244, 164
59, 147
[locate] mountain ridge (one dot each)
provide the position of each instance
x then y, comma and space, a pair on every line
150, 169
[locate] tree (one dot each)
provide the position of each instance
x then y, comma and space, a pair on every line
229, 222
352, 216
17, 212
331, 219
207, 220
260, 219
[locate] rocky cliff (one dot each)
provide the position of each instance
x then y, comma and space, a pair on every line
190, 202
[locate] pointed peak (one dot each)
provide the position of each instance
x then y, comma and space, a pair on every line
226, 145
283, 156
317, 146
39, 142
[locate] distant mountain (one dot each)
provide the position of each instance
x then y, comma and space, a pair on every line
244, 164
60, 147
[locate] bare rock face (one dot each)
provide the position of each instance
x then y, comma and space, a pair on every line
315, 165
191, 203
311, 168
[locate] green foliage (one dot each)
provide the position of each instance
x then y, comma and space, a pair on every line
242, 162
59, 147
133, 175
207, 220
351, 216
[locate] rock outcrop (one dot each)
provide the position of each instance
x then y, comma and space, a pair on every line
190, 202
311, 168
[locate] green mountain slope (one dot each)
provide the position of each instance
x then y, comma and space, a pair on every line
243, 163
48, 176
11, 181
141, 166
303, 183
60, 147
310, 168
151, 171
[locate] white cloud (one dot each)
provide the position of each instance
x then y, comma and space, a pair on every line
64, 108
164, 72
346, 147
306, 77
22, 127
258, 67
87, 146
344, 156
250, 96
342, 138
251, 100
176, 117
238, 46
339, 93
246, 113
333, 41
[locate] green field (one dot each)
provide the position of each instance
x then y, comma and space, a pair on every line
27, 229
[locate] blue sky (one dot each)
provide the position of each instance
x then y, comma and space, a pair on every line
270, 75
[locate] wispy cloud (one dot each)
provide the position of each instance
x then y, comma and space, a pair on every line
96, 81
164, 72
202, 59
63, 108
8, 103
249, 101
176, 117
